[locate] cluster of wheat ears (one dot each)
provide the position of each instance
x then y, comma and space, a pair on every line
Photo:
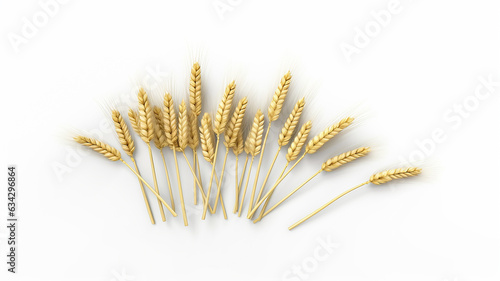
178, 130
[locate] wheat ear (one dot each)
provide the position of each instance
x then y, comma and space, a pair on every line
378, 178
114, 155
134, 121
328, 166
230, 139
128, 146
170, 121
195, 111
160, 141
207, 138
253, 145
220, 122
147, 133
284, 138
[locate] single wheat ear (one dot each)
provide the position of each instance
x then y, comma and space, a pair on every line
378, 178
279, 96
134, 121
145, 117
234, 127
254, 144
123, 133
318, 141
105, 149
114, 155
328, 166
184, 130
170, 121
207, 138
195, 89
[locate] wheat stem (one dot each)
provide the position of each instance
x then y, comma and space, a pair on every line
238, 185
269, 197
211, 179
246, 185
195, 191
150, 188
181, 195
196, 182
172, 201
268, 173
155, 181
326, 205
258, 171
144, 193
221, 179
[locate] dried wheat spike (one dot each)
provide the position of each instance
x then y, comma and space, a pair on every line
145, 117
224, 109
291, 123
385, 176
207, 138
318, 141
123, 133
254, 139
195, 90
105, 149
240, 144
160, 138
194, 139
298, 142
183, 126
346, 157
234, 127
170, 121
134, 121
279, 96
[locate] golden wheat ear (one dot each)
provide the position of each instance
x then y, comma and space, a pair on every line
378, 178
123, 133
105, 149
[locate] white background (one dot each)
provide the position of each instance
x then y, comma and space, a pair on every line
417, 76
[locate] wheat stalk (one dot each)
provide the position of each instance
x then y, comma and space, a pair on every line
328, 166
147, 133
160, 141
378, 178
230, 139
114, 155
220, 122
318, 141
283, 139
252, 147
128, 146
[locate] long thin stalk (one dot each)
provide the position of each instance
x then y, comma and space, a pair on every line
326, 205
155, 181
150, 188
172, 201
184, 215
238, 186
268, 173
144, 193
246, 185
219, 185
270, 195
